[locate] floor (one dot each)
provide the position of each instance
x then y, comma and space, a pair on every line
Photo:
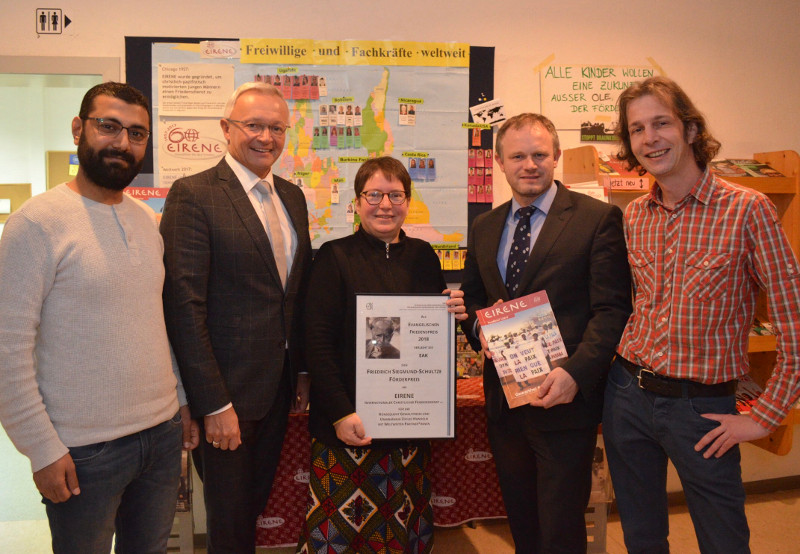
773, 523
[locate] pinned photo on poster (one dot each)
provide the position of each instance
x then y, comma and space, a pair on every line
402, 118
340, 117
491, 112
357, 137
476, 137
323, 115
348, 115
334, 138
334, 193
412, 115
342, 142
471, 157
323, 87
323, 139
314, 88
350, 214
359, 121
479, 157
413, 170
430, 173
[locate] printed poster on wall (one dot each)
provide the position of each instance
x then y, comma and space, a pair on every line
348, 100
585, 96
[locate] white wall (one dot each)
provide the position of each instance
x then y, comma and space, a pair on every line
738, 60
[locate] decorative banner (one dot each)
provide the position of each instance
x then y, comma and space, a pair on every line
354, 52
585, 96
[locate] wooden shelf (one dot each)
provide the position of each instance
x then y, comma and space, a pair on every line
582, 165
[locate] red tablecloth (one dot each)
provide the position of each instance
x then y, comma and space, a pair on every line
464, 480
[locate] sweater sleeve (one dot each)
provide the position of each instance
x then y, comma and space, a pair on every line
27, 273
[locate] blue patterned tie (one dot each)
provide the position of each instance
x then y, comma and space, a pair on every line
520, 249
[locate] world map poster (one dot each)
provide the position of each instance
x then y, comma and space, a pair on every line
348, 101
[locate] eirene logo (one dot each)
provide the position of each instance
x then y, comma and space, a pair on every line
183, 142
443, 501
477, 456
270, 522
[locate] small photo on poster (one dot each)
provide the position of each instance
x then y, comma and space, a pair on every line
287, 87
323, 139
471, 195
480, 194
479, 157
487, 176
350, 213
440, 254
403, 116
335, 193
487, 157
488, 193
448, 260
334, 140
348, 115
358, 119
314, 88
357, 137
430, 174
323, 115
340, 117
471, 157
412, 115
323, 86
342, 142
413, 170
476, 137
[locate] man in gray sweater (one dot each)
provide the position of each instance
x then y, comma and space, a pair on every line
88, 391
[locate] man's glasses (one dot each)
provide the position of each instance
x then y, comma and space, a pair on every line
255, 129
375, 197
112, 128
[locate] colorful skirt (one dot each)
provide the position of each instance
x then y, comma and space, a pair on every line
368, 500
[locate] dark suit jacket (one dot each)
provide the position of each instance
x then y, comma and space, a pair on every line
580, 259
227, 314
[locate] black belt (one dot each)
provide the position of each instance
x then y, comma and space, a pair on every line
667, 386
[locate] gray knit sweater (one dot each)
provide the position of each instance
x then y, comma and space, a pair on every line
84, 355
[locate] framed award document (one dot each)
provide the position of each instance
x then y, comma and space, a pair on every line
405, 370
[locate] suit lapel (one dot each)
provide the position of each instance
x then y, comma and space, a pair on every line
554, 224
489, 243
244, 208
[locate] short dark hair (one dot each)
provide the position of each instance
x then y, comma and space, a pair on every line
389, 167
525, 120
705, 146
123, 91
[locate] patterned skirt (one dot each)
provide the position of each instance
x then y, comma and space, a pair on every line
368, 500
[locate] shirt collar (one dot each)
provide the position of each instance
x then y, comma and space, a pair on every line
543, 202
247, 178
702, 191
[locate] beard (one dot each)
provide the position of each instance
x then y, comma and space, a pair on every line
105, 173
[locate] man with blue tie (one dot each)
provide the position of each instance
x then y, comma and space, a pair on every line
572, 246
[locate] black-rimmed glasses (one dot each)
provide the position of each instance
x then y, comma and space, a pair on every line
375, 197
112, 128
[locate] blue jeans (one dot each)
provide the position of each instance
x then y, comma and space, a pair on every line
128, 486
641, 431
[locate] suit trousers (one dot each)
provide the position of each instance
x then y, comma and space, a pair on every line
237, 483
546, 480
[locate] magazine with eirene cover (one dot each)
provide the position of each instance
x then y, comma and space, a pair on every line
525, 343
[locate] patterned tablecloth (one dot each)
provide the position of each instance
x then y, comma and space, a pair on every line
464, 480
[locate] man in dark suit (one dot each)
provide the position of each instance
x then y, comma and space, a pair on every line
571, 246
237, 253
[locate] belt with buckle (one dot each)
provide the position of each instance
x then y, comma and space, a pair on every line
667, 386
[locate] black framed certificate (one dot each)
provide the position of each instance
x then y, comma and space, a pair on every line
405, 366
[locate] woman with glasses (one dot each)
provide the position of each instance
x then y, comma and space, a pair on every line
365, 496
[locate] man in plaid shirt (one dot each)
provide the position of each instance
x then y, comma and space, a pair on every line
700, 249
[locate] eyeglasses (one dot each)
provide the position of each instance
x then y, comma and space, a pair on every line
255, 129
375, 197
112, 128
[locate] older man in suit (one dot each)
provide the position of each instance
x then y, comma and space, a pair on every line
237, 252
572, 246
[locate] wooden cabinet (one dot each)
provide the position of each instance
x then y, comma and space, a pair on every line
582, 165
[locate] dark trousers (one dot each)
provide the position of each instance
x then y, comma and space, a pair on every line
546, 479
237, 483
